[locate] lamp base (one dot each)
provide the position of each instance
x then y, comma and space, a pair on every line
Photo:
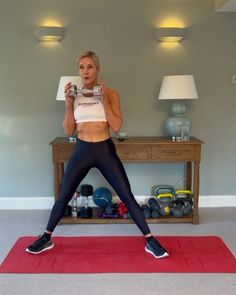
174, 125
178, 124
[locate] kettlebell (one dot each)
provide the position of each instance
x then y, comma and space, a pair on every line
164, 203
177, 209
186, 197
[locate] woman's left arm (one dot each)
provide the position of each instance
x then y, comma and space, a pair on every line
111, 102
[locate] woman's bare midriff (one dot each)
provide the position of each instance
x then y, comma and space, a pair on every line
93, 131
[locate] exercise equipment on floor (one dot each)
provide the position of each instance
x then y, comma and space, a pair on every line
123, 211
110, 210
102, 196
146, 211
86, 190
183, 203
164, 195
155, 208
171, 201
151, 209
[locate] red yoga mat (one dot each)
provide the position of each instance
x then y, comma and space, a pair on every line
188, 254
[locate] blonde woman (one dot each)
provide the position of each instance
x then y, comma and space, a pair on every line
91, 118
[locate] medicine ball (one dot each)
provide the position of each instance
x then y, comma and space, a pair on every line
101, 196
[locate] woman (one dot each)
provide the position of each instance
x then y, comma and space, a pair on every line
91, 117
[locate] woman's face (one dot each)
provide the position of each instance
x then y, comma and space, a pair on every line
88, 71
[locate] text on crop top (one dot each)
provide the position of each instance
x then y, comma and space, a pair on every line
88, 109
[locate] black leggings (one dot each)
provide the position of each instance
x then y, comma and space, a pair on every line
101, 155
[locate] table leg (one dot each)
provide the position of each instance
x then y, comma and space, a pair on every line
196, 192
58, 176
189, 176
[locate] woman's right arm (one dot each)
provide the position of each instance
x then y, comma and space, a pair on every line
69, 124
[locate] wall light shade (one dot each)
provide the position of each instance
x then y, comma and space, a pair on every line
49, 34
75, 80
170, 34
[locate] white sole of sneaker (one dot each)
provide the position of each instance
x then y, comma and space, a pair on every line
35, 253
158, 257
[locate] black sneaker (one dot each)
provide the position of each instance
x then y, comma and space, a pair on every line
40, 245
154, 247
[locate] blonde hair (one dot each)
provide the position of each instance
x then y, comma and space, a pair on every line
92, 55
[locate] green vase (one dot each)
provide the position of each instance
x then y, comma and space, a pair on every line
174, 124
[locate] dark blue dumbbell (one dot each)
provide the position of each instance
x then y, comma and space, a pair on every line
146, 211
154, 204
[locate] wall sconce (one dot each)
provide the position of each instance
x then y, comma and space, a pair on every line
75, 80
49, 34
170, 34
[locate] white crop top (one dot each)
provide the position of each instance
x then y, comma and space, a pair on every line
88, 109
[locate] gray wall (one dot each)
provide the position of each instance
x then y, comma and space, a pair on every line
122, 33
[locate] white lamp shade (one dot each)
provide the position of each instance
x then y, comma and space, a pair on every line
178, 87
75, 80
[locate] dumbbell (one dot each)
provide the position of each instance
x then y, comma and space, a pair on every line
153, 204
155, 207
74, 91
109, 209
155, 214
86, 190
146, 211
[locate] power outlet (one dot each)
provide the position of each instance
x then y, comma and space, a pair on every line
234, 79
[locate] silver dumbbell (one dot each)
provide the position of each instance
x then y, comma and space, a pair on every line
74, 91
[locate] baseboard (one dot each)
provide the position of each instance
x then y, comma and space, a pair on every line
24, 203
41, 203
217, 201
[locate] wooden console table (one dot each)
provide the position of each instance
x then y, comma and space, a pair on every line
139, 149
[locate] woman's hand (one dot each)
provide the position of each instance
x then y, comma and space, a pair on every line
104, 92
69, 98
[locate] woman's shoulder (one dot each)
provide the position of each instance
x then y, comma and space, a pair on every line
112, 92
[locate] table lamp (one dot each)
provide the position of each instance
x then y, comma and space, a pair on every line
178, 87
75, 80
